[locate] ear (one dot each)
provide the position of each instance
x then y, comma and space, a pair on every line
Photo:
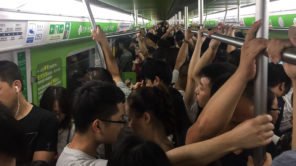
18, 85
156, 80
96, 126
282, 86
147, 117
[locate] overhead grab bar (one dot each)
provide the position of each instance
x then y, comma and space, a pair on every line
289, 55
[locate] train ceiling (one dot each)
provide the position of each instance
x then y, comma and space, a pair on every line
165, 9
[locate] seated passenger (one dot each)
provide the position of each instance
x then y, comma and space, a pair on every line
41, 135
98, 112
12, 140
55, 99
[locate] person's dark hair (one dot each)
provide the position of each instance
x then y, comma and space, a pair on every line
151, 68
234, 57
270, 98
59, 94
12, 140
99, 74
152, 37
9, 72
277, 75
125, 41
179, 36
151, 50
218, 74
158, 102
165, 43
95, 100
134, 151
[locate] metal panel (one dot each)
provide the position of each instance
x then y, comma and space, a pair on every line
156, 9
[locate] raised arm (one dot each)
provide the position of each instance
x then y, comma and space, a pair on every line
189, 91
275, 49
167, 33
252, 133
111, 63
182, 54
231, 33
219, 110
142, 44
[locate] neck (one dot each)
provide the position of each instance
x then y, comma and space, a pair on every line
22, 108
159, 137
84, 143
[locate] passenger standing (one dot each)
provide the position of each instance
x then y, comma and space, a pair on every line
12, 140
126, 57
98, 117
55, 99
39, 125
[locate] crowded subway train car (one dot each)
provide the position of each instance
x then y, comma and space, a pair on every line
147, 82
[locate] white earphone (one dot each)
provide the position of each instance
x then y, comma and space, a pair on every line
17, 90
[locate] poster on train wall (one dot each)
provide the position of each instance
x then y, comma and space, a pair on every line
48, 74
83, 29
58, 31
12, 34
124, 27
36, 33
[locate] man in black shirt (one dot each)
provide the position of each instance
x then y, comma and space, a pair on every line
40, 126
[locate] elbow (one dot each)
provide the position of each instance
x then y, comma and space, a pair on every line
196, 133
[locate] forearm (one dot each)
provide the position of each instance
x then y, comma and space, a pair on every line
206, 59
218, 111
190, 86
195, 56
202, 153
181, 56
143, 46
110, 60
294, 117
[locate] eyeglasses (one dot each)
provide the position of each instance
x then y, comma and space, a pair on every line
276, 109
123, 121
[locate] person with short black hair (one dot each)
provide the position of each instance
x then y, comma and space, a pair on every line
41, 136
98, 117
280, 84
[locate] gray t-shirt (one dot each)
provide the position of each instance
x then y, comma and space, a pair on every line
287, 158
124, 88
72, 157
193, 112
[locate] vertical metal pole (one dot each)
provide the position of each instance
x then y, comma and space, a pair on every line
136, 16
179, 17
262, 69
238, 11
200, 11
206, 19
93, 25
225, 14
186, 17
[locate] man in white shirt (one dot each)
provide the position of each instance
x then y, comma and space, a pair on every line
98, 116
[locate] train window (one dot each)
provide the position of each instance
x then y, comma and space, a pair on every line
77, 64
